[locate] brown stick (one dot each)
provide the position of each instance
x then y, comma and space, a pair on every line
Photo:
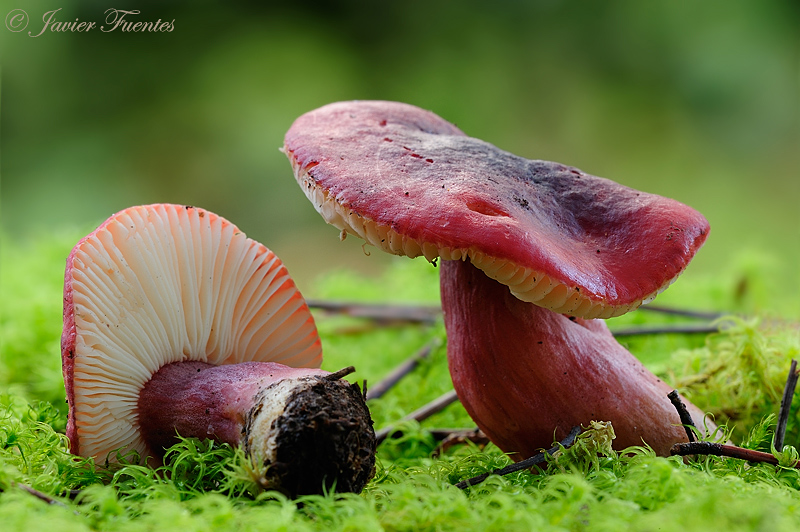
422, 413
668, 329
451, 437
38, 494
786, 405
524, 464
719, 449
443, 434
380, 311
699, 314
336, 375
399, 372
686, 417
430, 313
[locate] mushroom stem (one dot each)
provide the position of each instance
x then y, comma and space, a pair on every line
300, 427
526, 374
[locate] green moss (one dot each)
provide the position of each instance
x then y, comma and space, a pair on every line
31, 283
738, 375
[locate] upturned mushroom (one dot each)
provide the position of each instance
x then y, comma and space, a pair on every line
531, 252
176, 323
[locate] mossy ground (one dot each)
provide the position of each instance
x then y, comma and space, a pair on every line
738, 375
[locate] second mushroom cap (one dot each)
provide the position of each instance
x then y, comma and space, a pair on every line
413, 184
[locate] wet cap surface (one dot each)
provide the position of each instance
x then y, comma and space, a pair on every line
413, 184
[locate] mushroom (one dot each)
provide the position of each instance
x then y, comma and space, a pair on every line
176, 323
531, 252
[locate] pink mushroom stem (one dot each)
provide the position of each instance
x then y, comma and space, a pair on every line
527, 375
200, 400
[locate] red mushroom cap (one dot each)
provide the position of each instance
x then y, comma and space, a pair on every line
413, 184
159, 284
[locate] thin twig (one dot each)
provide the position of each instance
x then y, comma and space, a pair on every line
336, 375
786, 405
380, 312
451, 437
524, 464
422, 413
39, 495
399, 372
686, 417
699, 314
668, 329
430, 313
441, 435
728, 451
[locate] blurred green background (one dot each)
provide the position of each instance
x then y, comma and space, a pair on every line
699, 101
